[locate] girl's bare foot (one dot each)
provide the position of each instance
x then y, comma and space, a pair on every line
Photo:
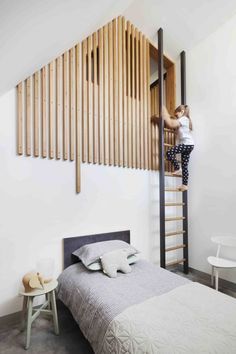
183, 188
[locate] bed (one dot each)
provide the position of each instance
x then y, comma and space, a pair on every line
149, 310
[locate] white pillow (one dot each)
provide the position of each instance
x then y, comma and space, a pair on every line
98, 266
114, 261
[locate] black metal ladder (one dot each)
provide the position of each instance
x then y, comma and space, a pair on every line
162, 174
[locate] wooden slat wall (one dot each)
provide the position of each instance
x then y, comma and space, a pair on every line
93, 103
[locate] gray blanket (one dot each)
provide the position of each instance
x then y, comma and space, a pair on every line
95, 299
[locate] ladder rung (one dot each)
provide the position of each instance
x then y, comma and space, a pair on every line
172, 190
176, 262
170, 145
175, 248
175, 218
174, 233
169, 174
169, 130
174, 204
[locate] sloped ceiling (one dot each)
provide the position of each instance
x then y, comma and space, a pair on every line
185, 22
33, 32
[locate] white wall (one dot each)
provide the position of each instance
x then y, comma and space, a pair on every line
211, 93
39, 207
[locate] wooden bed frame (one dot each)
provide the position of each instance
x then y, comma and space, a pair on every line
70, 244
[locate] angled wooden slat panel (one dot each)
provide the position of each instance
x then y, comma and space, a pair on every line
106, 97
148, 107
59, 110
115, 93
133, 104
51, 110
111, 92
145, 117
28, 116
124, 90
141, 86
137, 66
78, 73
36, 114
100, 95
171, 89
44, 118
20, 119
84, 100
95, 100
72, 103
89, 100
129, 117
120, 92
65, 104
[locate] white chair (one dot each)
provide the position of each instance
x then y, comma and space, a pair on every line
218, 262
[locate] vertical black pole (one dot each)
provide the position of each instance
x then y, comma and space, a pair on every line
161, 151
185, 194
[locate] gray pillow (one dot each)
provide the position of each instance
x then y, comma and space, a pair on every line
92, 252
97, 265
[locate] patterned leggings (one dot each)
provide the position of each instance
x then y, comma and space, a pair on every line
185, 151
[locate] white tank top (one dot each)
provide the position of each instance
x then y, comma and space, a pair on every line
184, 134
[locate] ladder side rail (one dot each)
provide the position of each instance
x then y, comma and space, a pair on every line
161, 151
185, 194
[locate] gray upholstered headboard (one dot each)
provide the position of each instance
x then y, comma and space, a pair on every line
70, 244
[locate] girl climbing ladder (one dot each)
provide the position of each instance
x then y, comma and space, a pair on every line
183, 125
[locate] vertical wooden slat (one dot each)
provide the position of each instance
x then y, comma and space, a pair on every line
72, 103
106, 97
100, 93
148, 107
137, 98
141, 85
111, 92
145, 123
171, 89
36, 114
84, 99
133, 123
28, 116
78, 117
43, 96
89, 100
95, 100
51, 110
129, 118
19, 119
125, 131
120, 92
65, 105
59, 106
115, 93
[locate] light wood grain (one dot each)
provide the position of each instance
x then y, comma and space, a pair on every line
59, 109
28, 116
43, 125
106, 97
85, 103
137, 91
100, 98
51, 110
72, 103
115, 95
133, 103
129, 116
36, 114
120, 92
65, 104
111, 94
124, 94
95, 100
78, 73
20, 119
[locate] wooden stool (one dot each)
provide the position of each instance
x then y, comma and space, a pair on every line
49, 307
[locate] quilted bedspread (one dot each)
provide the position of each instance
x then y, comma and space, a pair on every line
190, 319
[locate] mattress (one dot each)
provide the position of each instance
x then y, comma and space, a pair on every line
95, 300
